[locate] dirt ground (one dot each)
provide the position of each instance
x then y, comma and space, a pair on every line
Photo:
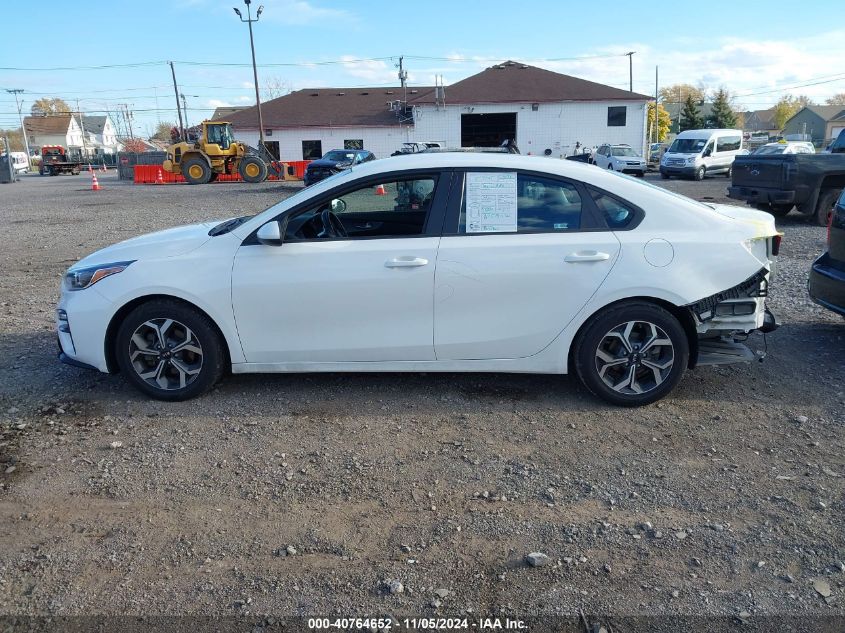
408, 495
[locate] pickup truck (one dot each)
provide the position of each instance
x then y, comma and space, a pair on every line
779, 182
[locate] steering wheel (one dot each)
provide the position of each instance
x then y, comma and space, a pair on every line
332, 226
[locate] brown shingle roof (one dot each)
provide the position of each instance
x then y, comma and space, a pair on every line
224, 112
327, 107
513, 82
51, 124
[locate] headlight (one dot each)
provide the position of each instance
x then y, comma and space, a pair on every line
81, 278
691, 161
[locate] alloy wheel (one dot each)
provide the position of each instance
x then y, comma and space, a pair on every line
166, 354
634, 357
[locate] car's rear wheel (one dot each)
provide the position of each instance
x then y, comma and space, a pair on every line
169, 350
730, 172
632, 354
824, 207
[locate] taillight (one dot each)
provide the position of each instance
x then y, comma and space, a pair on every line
776, 240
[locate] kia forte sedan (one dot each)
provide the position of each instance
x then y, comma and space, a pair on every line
434, 262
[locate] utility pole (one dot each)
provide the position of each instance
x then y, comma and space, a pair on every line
631, 70
185, 108
249, 20
128, 115
82, 128
178, 109
16, 92
656, 135
403, 81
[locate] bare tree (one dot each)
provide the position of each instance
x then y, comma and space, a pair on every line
275, 87
837, 99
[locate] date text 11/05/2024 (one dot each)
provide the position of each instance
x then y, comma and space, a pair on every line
423, 624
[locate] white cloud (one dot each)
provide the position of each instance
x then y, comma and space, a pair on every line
303, 12
377, 72
220, 103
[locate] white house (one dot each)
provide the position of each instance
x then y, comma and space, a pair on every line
57, 129
544, 112
101, 132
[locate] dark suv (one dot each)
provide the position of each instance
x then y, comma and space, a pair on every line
334, 162
827, 276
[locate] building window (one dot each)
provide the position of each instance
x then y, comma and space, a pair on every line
353, 143
616, 116
312, 150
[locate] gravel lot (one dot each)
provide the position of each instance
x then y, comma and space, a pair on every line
410, 495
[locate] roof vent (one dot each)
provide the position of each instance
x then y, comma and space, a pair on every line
315, 94
365, 93
389, 92
340, 94
413, 92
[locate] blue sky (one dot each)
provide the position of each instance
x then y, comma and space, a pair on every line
727, 43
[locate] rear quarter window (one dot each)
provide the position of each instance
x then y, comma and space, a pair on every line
616, 213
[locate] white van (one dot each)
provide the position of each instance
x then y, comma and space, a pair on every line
696, 153
19, 162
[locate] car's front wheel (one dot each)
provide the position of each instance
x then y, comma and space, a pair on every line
169, 350
632, 354
699, 173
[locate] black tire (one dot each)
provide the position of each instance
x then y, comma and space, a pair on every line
594, 338
201, 332
213, 176
640, 174
699, 173
252, 169
824, 207
730, 172
664, 175
196, 171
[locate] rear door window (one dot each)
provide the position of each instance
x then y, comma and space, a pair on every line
511, 202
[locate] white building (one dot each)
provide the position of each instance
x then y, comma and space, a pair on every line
544, 112
58, 129
101, 133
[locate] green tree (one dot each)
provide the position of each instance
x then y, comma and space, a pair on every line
47, 105
678, 93
785, 109
837, 99
691, 118
162, 132
722, 115
15, 139
664, 122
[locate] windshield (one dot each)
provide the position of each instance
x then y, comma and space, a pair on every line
687, 145
339, 156
770, 149
622, 151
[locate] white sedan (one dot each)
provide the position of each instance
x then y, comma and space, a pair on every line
452, 262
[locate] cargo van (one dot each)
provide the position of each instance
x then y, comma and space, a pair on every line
19, 162
697, 153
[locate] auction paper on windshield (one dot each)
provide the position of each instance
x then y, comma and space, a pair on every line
491, 202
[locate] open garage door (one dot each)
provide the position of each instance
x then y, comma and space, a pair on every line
487, 130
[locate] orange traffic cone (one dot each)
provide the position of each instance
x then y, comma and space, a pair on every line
380, 191
95, 186
104, 167
159, 179
90, 171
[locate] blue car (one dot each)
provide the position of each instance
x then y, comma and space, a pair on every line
335, 162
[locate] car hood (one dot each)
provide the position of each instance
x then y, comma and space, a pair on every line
167, 243
333, 164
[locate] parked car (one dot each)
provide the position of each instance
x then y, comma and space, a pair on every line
334, 162
785, 147
414, 147
697, 153
433, 262
656, 151
837, 146
781, 182
620, 158
827, 275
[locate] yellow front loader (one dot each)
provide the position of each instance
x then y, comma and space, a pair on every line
217, 152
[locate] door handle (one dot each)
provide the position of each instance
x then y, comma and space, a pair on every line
405, 262
586, 256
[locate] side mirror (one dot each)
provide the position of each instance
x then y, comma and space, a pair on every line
707, 152
338, 205
270, 234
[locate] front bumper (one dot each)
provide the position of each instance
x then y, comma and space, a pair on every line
827, 285
673, 170
82, 319
761, 195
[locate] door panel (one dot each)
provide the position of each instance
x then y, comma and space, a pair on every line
509, 296
336, 300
